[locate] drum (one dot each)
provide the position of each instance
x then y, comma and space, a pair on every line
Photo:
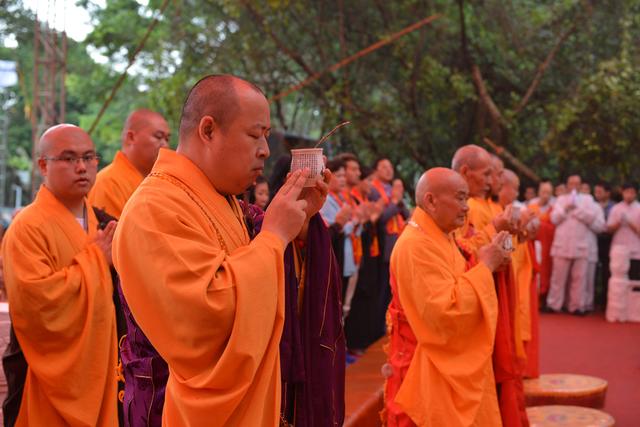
565, 389
568, 416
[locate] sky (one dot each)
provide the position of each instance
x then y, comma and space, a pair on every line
64, 14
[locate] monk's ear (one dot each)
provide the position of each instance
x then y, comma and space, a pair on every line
463, 170
429, 201
42, 165
207, 129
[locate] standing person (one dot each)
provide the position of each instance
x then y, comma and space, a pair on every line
390, 225
624, 223
56, 266
361, 326
481, 224
577, 218
602, 194
585, 188
523, 269
542, 208
451, 313
144, 133
561, 189
183, 252
352, 179
339, 215
529, 194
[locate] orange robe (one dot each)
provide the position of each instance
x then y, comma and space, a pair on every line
509, 353
210, 300
532, 347
60, 298
453, 315
545, 236
114, 185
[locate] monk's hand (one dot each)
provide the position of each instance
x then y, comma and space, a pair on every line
505, 221
496, 254
286, 214
316, 196
104, 238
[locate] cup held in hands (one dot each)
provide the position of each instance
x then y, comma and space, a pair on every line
310, 158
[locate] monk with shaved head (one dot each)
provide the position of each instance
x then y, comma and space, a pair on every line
443, 315
56, 266
483, 221
208, 292
522, 260
144, 133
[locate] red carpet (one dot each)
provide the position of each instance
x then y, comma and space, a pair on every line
592, 346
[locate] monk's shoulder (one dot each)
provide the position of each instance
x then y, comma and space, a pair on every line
31, 223
414, 242
159, 200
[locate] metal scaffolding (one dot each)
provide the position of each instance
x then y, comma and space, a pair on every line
49, 69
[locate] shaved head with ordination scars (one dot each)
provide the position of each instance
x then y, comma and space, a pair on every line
68, 163
442, 193
475, 166
223, 130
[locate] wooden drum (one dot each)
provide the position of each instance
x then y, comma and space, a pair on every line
565, 389
568, 416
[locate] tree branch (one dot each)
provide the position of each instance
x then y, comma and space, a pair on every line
541, 69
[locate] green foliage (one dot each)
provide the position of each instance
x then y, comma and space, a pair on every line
414, 101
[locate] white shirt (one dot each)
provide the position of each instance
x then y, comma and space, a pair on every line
575, 235
623, 214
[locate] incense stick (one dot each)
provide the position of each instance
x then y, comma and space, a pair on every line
324, 138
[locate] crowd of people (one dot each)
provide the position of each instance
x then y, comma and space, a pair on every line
160, 291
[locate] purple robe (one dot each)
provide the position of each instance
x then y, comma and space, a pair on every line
312, 348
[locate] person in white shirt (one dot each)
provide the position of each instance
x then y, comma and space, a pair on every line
578, 218
624, 223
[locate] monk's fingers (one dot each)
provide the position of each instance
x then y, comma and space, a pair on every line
288, 184
301, 204
297, 185
326, 175
323, 186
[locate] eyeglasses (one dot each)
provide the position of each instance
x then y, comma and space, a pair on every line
88, 159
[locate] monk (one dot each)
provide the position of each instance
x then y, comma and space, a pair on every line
210, 300
451, 312
60, 291
523, 258
542, 207
144, 133
475, 165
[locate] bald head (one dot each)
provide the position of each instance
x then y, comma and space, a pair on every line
56, 138
216, 96
509, 177
510, 188
144, 133
442, 193
474, 164
139, 119
471, 156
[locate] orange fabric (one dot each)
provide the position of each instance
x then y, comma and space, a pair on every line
532, 347
508, 356
396, 224
545, 237
114, 185
478, 229
374, 249
356, 241
209, 300
452, 314
61, 305
523, 271
400, 350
